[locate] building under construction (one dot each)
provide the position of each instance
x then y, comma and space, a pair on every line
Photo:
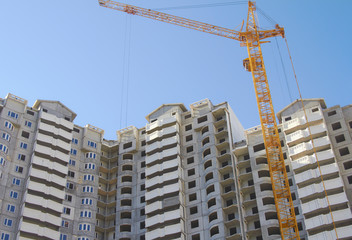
192, 174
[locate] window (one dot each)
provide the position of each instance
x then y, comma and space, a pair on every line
258, 147
84, 227
21, 157
344, 151
69, 185
142, 212
2, 161
25, 134
214, 230
125, 215
92, 144
207, 164
127, 145
71, 174
88, 177
126, 190
189, 149
14, 194
126, 202
143, 153
127, 167
331, 113
209, 176
193, 210
191, 184
315, 109
336, 126
18, 169
11, 208
5, 236
190, 160
68, 198
12, 114
66, 210
74, 141
88, 189
195, 224
8, 125
189, 138
87, 201
72, 162
142, 187
340, 138
210, 189
288, 119
205, 141
91, 155
143, 164
30, 112
347, 165
86, 214
73, 152
143, 143
188, 116
191, 172
64, 223
6, 136
76, 130
8, 222
205, 130
4, 148
212, 202
143, 175
89, 166
63, 237
142, 225
202, 119
126, 179
206, 152
188, 127
16, 181
125, 228
192, 197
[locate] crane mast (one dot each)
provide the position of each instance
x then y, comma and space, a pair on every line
251, 38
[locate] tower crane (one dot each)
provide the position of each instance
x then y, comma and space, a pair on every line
252, 38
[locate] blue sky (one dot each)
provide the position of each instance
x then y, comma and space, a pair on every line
100, 62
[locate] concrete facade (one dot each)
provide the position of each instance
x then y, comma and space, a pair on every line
188, 174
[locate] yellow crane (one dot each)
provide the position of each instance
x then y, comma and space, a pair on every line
252, 38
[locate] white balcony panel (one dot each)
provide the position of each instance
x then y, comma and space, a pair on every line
40, 231
45, 203
322, 203
317, 188
161, 232
52, 153
49, 164
309, 160
305, 133
315, 173
301, 120
41, 216
153, 207
163, 178
161, 122
163, 154
55, 142
48, 177
39, 187
325, 219
162, 166
56, 131
163, 143
306, 146
161, 218
342, 232
162, 191
162, 132
58, 121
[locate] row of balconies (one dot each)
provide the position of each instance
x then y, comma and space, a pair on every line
308, 162
302, 148
302, 135
162, 191
342, 232
161, 155
162, 132
301, 121
320, 203
313, 174
40, 231
312, 189
160, 123
167, 230
55, 166
162, 218
161, 144
162, 166
163, 178
320, 221
57, 121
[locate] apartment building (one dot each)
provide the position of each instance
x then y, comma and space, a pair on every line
188, 174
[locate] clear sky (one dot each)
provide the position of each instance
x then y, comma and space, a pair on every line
100, 62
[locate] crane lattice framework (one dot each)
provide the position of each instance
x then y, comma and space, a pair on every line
255, 64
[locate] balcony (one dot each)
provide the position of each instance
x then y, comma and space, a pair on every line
159, 123
162, 166
300, 122
320, 203
161, 155
162, 191
308, 162
163, 143
167, 230
34, 228
163, 178
161, 218
303, 135
163, 132
312, 174
318, 187
320, 221
307, 147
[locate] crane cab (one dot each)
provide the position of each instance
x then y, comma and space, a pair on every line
247, 64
